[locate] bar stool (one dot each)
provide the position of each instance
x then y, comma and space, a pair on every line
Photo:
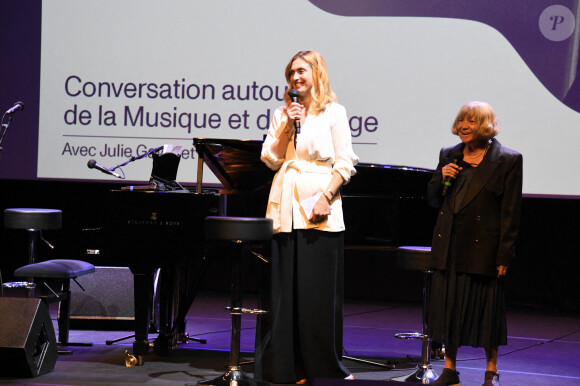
417, 258
34, 220
239, 231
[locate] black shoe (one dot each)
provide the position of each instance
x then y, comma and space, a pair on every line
491, 379
448, 377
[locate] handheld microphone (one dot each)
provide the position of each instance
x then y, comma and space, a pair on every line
17, 107
92, 164
294, 94
447, 182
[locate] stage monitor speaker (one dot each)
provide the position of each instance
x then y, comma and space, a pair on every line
28, 345
107, 301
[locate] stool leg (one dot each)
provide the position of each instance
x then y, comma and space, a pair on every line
236, 306
64, 314
59, 290
33, 237
234, 376
427, 373
424, 373
64, 318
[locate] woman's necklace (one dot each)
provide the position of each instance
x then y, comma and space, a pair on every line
474, 156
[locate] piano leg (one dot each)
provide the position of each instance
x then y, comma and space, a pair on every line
143, 292
189, 276
180, 297
169, 281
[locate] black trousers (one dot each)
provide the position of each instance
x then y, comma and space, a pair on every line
301, 335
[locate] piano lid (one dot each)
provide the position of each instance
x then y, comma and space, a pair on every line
236, 163
391, 181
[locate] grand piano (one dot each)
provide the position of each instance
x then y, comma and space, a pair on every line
148, 230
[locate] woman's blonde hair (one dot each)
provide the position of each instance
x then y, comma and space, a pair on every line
320, 92
483, 115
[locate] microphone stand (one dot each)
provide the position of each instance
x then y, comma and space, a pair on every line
4, 129
133, 158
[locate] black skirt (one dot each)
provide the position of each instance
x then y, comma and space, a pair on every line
466, 309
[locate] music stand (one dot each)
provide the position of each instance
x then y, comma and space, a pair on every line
164, 171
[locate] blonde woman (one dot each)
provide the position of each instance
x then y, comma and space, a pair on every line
309, 144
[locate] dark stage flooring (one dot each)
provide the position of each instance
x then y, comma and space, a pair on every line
543, 348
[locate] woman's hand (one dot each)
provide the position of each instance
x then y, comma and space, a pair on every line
295, 111
450, 170
321, 210
280, 145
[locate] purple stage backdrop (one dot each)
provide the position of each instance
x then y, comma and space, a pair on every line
20, 81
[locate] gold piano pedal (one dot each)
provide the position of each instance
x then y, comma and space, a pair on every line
132, 360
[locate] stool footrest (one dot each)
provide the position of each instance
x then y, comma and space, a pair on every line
19, 284
411, 335
242, 310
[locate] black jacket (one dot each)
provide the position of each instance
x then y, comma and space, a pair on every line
487, 221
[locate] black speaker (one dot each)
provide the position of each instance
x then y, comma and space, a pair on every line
27, 340
106, 302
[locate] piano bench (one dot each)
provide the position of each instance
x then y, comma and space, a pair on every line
52, 278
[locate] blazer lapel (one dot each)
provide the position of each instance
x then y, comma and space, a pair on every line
483, 172
451, 153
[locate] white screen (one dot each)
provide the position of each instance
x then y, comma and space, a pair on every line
405, 77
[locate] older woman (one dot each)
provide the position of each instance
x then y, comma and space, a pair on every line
309, 144
478, 188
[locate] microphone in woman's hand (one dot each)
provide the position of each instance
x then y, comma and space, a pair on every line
447, 182
294, 94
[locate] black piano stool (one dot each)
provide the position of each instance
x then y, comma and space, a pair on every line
417, 258
239, 231
52, 276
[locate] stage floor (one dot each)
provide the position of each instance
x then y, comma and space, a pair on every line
542, 348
